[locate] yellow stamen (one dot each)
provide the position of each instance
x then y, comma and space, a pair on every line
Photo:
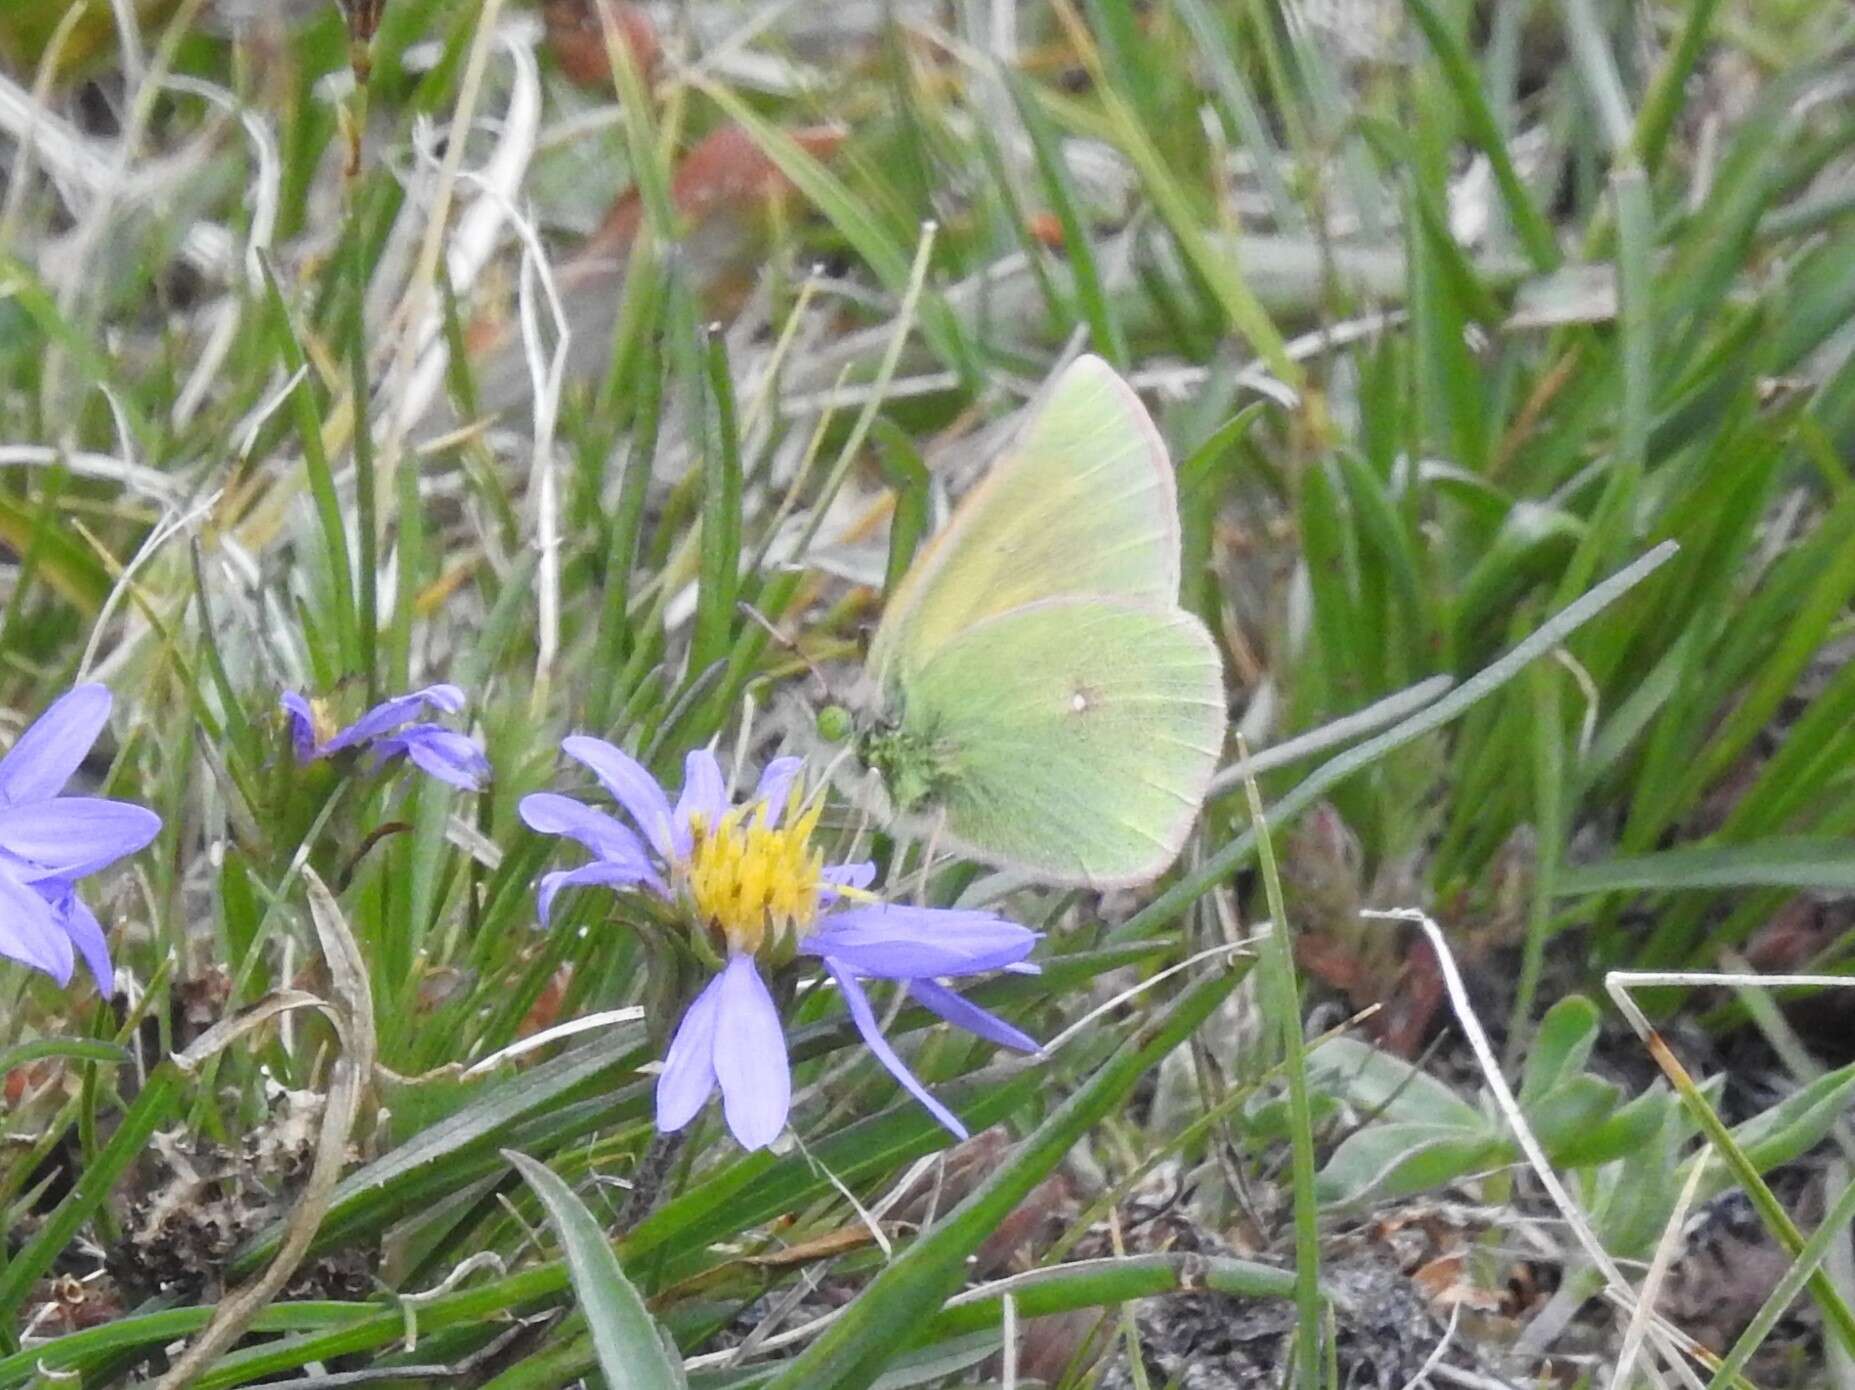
747, 878
321, 721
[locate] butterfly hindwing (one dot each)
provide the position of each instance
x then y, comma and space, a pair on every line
1075, 736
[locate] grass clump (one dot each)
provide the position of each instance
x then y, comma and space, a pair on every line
604, 375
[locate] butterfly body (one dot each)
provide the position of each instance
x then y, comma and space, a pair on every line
916, 766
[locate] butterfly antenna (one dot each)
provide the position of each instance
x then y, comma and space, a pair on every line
929, 850
862, 805
786, 644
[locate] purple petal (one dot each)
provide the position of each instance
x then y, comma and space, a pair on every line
70, 836
688, 1076
553, 814
705, 794
631, 786
963, 1013
750, 1057
601, 872
43, 758
444, 696
28, 932
847, 875
86, 934
775, 785
302, 721
388, 715
906, 943
865, 1018
444, 753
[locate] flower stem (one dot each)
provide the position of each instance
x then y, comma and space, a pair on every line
647, 1183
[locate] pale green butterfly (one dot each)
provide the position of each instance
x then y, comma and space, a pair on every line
1036, 697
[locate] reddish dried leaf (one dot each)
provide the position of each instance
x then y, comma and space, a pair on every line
576, 37
725, 173
1331, 962
1409, 1015
1047, 228
546, 1011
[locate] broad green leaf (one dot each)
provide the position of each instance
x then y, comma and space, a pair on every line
1624, 1132
632, 1350
1397, 1159
1564, 1040
1793, 1126
1381, 1085
1570, 1110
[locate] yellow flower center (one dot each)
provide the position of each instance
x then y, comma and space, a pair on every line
748, 878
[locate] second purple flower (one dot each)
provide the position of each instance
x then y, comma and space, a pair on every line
389, 730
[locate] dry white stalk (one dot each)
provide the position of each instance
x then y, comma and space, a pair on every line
1437, 1352
267, 189
523, 1046
1229, 952
866, 1216
419, 322
352, 1012
1619, 983
1008, 1311
75, 161
410, 1303
546, 378
172, 526
134, 477
1665, 1251
129, 41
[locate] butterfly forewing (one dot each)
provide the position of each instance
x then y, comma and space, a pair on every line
1082, 503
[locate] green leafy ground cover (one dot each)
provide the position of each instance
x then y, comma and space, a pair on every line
1454, 319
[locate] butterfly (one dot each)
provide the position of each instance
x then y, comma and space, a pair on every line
1034, 696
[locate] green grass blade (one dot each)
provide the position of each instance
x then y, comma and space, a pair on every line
1284, 994
1668, 91
1097, 306
1823, 865
1530, 223
865, 234
719, 578
321, 477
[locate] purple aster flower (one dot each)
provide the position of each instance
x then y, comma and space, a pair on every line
48, 841
388, 730
747, 877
